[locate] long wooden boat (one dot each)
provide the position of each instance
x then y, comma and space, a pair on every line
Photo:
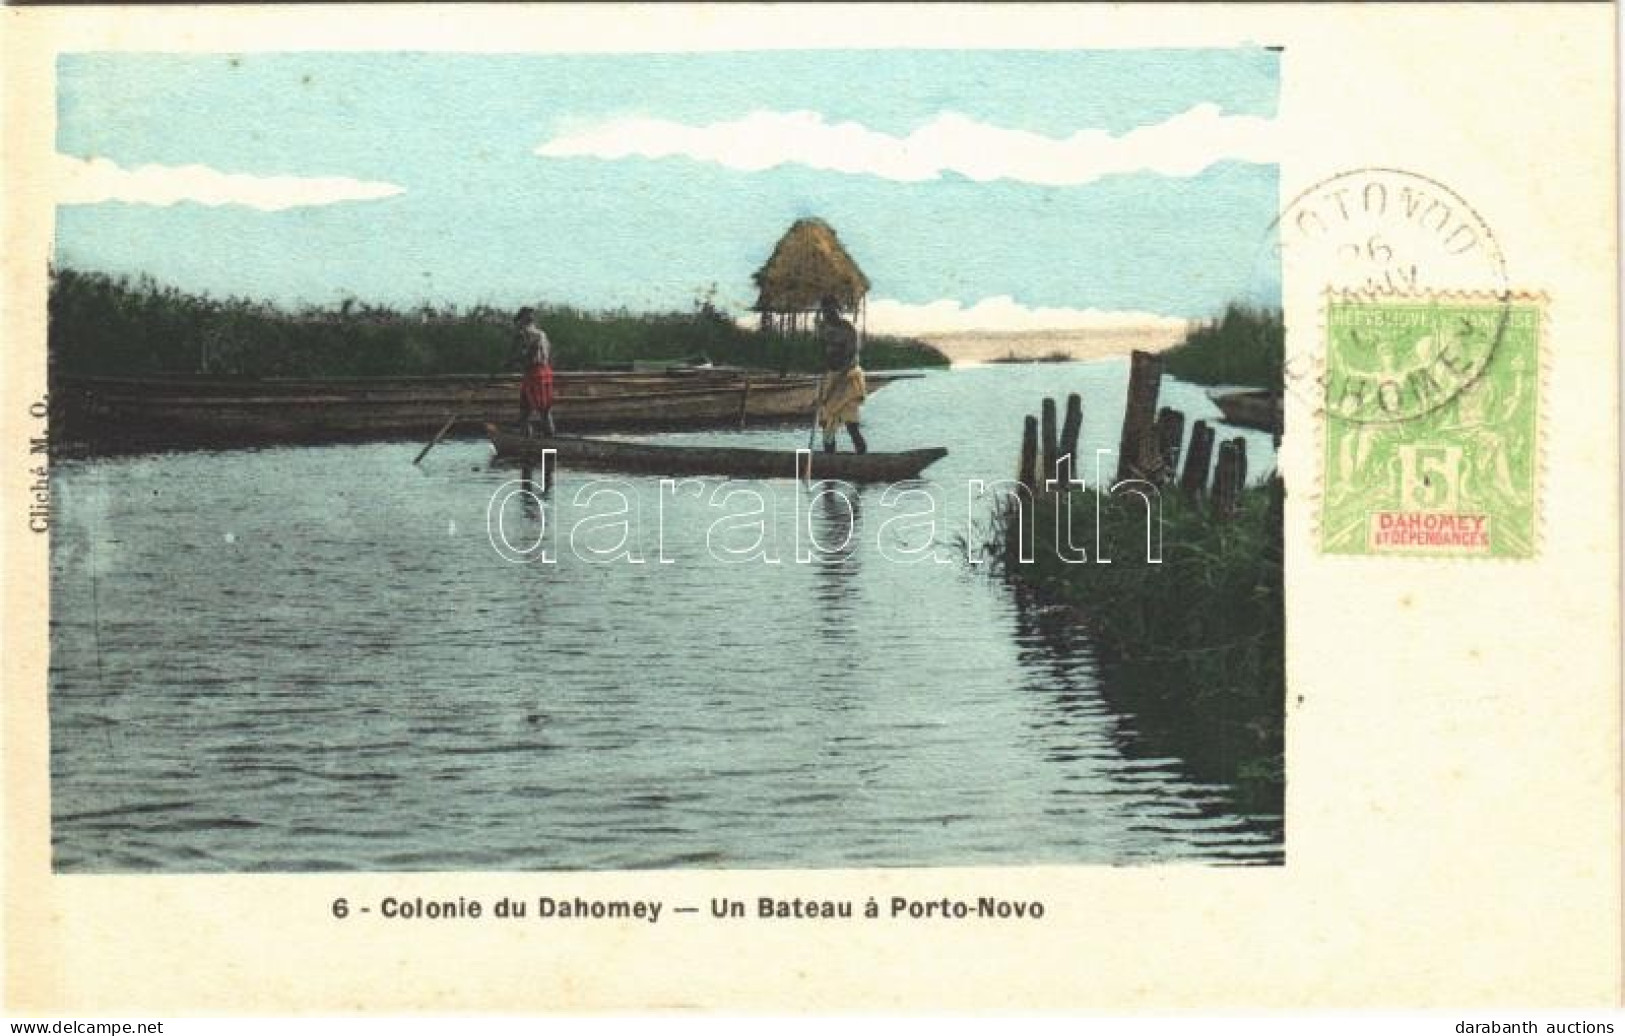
731, 461
1254, 408
209, 412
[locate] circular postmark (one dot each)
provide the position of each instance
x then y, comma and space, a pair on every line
1373, 251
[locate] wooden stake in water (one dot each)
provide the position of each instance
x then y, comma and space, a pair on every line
1029, 453
1070, 429
1051, 451
1275, 516
1170, 433
1193, 482
1137, 451
1228, 477
1221, 481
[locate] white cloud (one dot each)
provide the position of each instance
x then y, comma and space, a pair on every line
1183, 145
1003, 314
87, 181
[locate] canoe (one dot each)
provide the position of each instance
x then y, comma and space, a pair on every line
730, 461
1255, 408
223, 412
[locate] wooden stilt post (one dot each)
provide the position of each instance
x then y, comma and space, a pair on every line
1241, 463
1170, 434
1221, 480
1194, 479
744, 401
1071, 427
1029, 453
1225, 486
1050, 451
1137, 453
1275, 516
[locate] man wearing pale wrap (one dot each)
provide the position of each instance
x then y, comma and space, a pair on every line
842, 390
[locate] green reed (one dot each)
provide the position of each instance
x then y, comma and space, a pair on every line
101, 324
1244, 346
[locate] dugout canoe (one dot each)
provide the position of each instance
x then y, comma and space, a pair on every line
731, 461
1256, 408
185, 412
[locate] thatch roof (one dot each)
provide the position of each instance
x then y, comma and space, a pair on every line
807, 264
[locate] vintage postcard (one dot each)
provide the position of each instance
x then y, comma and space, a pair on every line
571, 508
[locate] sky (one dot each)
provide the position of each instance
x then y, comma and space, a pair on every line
993, 190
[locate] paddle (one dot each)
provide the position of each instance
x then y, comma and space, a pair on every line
437, 437
812, 433
453, 419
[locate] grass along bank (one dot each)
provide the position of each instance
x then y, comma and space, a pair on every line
1053, 356
1244, 346
100, 324
1194, 646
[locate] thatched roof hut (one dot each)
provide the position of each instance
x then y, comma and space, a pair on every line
807, 264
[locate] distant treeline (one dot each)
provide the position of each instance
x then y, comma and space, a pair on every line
1245, 346
100, 324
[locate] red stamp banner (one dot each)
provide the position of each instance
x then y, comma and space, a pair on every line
1433, 532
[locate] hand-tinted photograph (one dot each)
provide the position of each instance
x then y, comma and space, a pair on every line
746, 460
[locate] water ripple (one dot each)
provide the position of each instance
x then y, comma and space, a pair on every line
353, 680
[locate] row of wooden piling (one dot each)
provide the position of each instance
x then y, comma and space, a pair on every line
1149, 449
1050, 452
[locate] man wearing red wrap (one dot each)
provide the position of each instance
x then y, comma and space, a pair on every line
535, 354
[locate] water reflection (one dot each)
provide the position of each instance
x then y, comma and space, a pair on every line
1091, 703
306, 661
527, 482
530, 493
1053, 647
834, 531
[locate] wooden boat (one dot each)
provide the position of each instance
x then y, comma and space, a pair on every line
221, 412
1254, 408
731, 461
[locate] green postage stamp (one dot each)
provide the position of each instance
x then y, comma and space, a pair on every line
1431, 433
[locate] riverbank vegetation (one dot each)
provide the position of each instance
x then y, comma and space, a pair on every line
1192, 646
1053, 356
100, 324
1244, 346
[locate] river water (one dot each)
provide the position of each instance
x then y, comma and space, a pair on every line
316, 658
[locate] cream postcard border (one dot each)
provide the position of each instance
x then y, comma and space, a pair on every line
1453, 732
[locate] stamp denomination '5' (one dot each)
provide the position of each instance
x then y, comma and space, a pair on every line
1431, 426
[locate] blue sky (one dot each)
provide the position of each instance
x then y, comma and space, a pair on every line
635, 180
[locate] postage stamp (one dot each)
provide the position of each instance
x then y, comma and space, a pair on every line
1432, 425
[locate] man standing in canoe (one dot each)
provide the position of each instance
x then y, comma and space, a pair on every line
843, 390
535, 354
